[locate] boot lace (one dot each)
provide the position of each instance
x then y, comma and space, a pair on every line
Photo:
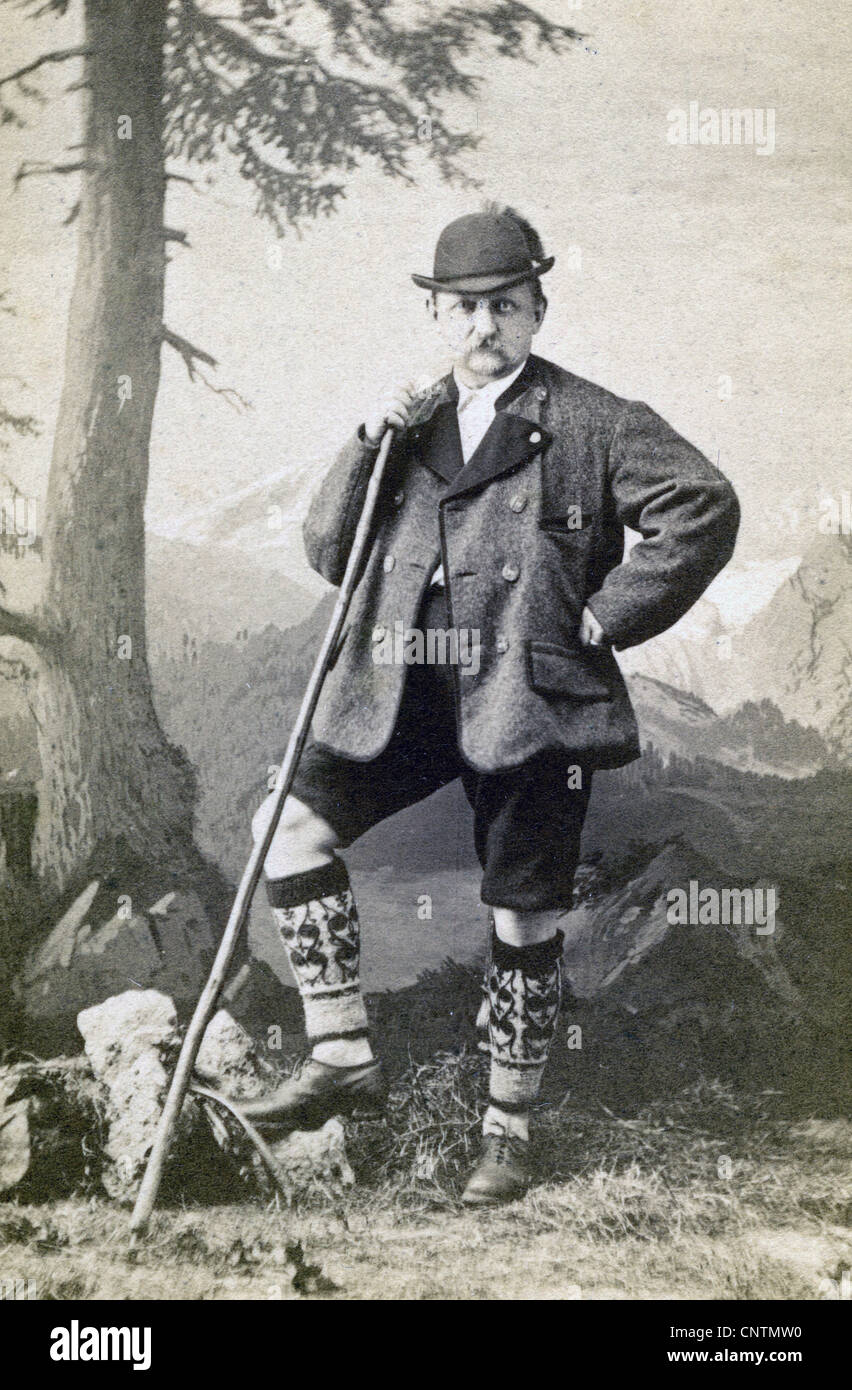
507, 1148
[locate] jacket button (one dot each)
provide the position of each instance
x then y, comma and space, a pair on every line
541, 393
510, 573
379, 633
518, 502
535, 437
502, 644
398, 498
388, 563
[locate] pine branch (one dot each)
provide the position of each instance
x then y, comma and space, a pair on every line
238, 42
12, 669
192, 356
24, 626
35, 168
59, 55
230, 394
187, 351
300, 123
20, 424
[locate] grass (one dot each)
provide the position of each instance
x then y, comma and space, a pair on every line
708, 1193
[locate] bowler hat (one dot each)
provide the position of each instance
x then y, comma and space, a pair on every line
482, 251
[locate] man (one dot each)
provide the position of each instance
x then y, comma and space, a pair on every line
502, 514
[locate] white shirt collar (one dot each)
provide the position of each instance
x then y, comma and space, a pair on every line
490, 392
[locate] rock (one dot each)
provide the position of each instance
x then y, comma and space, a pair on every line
58, 949
129, 1039
124, 1028
59, 1112
625, 949
661, 996
51, 1119
15, 1148
230, 1061
315, 1159
269, 1011
95, 952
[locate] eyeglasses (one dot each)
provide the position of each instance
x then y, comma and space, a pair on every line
501, 308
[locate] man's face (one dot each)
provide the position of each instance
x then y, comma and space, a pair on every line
489, 334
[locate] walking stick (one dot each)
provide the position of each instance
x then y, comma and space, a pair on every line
204, 1008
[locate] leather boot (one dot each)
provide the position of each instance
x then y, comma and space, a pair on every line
316, 1092
502, 1173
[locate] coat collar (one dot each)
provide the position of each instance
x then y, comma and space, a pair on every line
515, 435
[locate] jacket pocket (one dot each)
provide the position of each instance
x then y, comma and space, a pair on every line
580, 674
573, 521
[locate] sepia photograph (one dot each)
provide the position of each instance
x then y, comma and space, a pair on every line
425, 675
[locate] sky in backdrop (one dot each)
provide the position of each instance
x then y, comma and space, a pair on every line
684, 273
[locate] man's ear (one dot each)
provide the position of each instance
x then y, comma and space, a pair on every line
431, 306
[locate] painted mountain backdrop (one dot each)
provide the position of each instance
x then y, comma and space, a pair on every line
794, 650
743, 710
744, 790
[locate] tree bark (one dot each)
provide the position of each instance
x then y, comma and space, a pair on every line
110, 778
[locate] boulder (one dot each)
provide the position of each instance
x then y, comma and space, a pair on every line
15, 1143
129, 1040
103, 945
658, 998
629, 948
230, 1061
96, 951
70, 1123
314, 1160
51, 1124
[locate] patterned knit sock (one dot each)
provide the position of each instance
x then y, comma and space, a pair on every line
524, 992
316, 915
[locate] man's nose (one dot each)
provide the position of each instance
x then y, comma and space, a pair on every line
483, 320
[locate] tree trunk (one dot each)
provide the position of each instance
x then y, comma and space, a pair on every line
111, 782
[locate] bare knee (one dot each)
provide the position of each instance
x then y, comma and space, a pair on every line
518, 928
302, 839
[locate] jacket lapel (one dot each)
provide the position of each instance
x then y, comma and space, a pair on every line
436, 441
514, 436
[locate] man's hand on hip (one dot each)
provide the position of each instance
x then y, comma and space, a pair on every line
591, 632
391, 411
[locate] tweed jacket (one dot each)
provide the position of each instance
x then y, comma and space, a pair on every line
529, 531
